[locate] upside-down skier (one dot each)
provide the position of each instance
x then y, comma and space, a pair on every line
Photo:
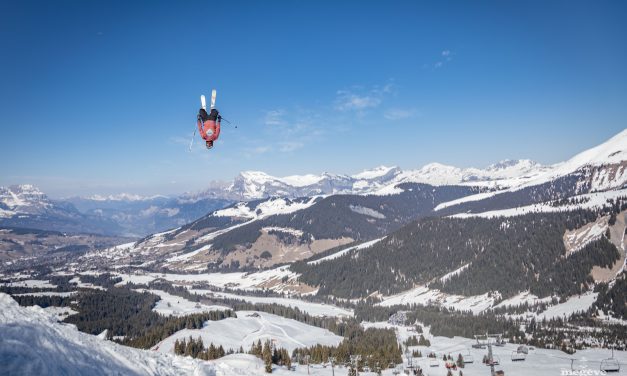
209, 126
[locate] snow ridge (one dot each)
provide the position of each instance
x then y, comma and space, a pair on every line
34, 343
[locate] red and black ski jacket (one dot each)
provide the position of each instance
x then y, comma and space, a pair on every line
209, 122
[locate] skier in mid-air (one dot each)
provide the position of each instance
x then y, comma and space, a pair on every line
209, 126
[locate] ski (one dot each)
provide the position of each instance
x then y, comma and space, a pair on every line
203, 102
213, 99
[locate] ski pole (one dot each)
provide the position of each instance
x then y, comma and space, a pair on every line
191, 143
228, 122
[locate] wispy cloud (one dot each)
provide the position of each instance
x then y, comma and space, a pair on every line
399, 113
445, 57
181, 140
275, 117
359, 99
289, 130
349, 101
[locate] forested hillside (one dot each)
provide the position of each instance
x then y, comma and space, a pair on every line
507, 255
354, 216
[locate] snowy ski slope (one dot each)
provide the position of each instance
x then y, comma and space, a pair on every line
251, 326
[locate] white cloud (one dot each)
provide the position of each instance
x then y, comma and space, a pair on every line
349, 101
446, 56
360, 98
170, 212
148, 212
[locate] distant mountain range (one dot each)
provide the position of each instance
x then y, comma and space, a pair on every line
507, 174
134, 215
25, 206
502, 185
250, 185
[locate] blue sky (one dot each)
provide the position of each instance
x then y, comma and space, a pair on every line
101, 96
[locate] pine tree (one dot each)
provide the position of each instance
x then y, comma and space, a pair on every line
275, 356
267, 356
259, 349
177, 345
286, 358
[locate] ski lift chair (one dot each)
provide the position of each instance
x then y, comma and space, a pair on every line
468, 358
610, 365
518, 356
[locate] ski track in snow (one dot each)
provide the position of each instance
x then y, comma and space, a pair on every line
172, 305
251, 326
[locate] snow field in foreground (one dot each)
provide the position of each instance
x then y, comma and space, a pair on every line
34, 343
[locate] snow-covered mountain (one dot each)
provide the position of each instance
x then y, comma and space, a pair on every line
600, 169
26, 206
604, 164
252, 185
22, 199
